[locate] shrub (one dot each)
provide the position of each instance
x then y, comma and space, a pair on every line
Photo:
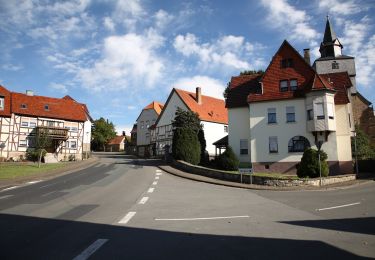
32, 154
227, 160
186, 146
309, 166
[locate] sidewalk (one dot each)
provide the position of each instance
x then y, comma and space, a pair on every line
71, 167
190, 176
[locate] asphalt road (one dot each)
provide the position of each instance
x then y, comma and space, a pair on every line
121, 208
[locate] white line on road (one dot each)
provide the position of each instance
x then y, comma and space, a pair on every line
33, 182
154, 183
143, 200
150, 190
157, 178
6, 196
91, 249
191, 219
10, 188
158, 173
341, 206
128, 216
158, 170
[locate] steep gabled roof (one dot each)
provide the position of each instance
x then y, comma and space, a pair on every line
117, 140
329, 33
240, 87
6, 94
158, 107
340, 82
211, 109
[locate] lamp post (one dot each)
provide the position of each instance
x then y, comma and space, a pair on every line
319, 145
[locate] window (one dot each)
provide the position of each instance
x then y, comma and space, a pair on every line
273, 147
147, 124
287, 63
330, 109
310, 115
23, 106
24, 124
335, 65
283, 85
293, 84
2, 103
32, 124
73, 144
46, 107
50, 123
225, 129
319, 111
290, 115
67, 144
244, 146
142, 124
22, 143
74, 129
298, 144
272, 115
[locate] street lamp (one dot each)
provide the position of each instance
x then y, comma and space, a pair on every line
319, 145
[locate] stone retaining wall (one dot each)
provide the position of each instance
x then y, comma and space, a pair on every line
259, 180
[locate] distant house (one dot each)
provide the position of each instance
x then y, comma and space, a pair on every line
211, 111
147, 118
117, 144
24, 117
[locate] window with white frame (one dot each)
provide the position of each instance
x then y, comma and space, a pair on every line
283, 85
271, 115
32, 124
293, 84
2, 105
244, 146
298, 144
22, 143
273, 147
24, 124
74, 129
290, 115
73, 144
330, 109
319, 110
225, 129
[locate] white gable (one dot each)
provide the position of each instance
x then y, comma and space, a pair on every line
170, 110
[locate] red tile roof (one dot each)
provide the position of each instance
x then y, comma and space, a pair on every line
6, 95
240, 87
58, 108
340, 82
117, 140
211, 109
158, 107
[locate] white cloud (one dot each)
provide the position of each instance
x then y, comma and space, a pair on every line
59, 87
11, 67
126, 128
210, 86
341, 7
128, 60
288, 18
226, 52
162, 18
128, 13
108, 23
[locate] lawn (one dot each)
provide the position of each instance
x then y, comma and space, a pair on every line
13, 171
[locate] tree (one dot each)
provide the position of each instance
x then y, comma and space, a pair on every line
102, 132
364, 148
309, 166
186, 119
42, 142
202, 141
228, 160
251, 72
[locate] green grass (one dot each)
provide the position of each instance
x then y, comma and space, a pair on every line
276, 176
13, 171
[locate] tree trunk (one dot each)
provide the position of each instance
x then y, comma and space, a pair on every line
40, 158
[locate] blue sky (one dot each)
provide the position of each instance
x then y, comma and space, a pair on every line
118, 56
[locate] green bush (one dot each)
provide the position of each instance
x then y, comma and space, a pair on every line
186, 146
33, 154
227, 161
309, 166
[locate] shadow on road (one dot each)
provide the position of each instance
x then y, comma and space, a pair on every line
355, 225
24, 237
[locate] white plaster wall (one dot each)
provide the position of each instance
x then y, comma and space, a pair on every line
344, 132
239, 128
170, 110
212, 133
144, 134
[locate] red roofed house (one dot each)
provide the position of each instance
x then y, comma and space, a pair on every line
145, 120
211, 111
274, 117
117, 144
24, 116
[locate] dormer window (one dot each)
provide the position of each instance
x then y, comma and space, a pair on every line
46, 107
287, 63
23, 106
283, 85
335, 65
2, 103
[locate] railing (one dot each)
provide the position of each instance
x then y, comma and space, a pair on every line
53, 132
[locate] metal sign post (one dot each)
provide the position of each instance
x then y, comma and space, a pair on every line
246, 168
319, 145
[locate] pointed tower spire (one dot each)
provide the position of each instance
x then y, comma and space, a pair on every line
331, 46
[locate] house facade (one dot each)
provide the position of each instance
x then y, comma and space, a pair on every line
274, 117
117, 144
145, 120
211, 111
24, 117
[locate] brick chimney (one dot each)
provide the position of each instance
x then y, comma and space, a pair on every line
198, 95
306, 55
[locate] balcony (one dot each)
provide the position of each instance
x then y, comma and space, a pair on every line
55, 133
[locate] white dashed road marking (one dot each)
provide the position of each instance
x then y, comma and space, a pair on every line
6, 196
157, 178
143, 200
158, 173
154, 183
150, 190
91, 249
128, 217
33, 182
341, 206
191, 219
10, 188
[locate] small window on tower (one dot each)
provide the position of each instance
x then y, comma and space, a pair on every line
335, 65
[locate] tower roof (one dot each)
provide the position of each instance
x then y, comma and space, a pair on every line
329, 33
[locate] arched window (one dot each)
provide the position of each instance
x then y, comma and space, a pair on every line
298, 144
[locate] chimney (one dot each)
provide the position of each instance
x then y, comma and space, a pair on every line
198, 95
306, 55
29, 93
